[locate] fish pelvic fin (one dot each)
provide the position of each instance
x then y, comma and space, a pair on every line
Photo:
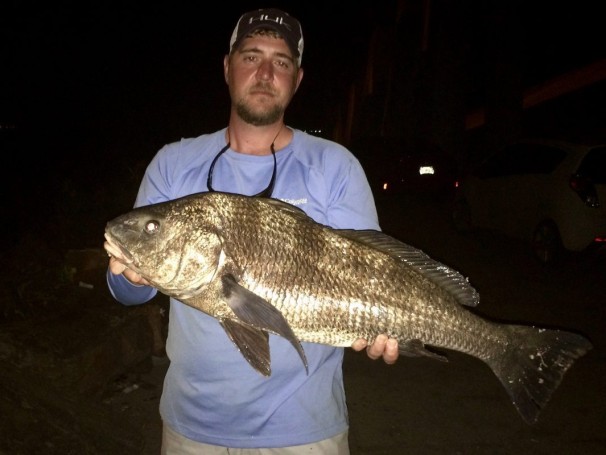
252, 343
532, 367
256, 312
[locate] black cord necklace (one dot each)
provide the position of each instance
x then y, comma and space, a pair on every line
267, 192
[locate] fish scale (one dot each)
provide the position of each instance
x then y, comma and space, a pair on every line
261, 266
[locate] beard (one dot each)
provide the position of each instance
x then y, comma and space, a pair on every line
259, 118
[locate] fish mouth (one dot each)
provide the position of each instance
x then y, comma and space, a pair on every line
116, 250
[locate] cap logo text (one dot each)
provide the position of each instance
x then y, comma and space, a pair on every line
266, 18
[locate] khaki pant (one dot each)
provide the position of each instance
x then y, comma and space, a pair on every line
175, 444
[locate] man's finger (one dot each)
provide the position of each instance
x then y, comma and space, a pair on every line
359, 344
376, 349
390, 355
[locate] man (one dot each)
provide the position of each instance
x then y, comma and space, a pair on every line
212, 398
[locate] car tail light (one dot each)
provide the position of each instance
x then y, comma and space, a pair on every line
585, 190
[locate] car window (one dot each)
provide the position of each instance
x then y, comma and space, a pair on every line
521, 159
594, 165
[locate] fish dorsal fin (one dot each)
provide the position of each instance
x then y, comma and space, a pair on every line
440, 274
289, 208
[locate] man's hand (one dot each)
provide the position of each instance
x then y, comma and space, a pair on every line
382, 347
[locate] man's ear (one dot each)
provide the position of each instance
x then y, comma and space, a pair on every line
226, 68
299, 79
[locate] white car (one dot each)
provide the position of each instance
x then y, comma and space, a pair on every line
549, 193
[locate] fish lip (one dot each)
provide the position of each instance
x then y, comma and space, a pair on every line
116, 250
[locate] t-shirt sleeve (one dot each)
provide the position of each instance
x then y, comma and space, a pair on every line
351, 204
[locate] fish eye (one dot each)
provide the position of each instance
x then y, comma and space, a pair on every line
152, 226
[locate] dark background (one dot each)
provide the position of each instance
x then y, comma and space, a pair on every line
90, 90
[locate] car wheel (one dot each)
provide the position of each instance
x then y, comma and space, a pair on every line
546, 242
461, 215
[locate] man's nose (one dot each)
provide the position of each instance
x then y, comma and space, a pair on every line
265, 71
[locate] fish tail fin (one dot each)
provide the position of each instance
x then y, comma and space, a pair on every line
534, 363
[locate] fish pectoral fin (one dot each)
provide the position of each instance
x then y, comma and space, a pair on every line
252, 343
416, 348
257, 312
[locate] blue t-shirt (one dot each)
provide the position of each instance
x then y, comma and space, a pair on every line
211, 393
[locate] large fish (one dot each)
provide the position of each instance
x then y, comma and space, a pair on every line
262, 266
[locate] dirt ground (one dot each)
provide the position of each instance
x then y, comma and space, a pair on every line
52, 403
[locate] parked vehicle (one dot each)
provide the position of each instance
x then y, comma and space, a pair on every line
549, 193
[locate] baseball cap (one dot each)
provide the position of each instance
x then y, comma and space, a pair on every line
281, 22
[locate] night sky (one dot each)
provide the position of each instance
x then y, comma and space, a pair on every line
144, 75
92, 89
151, 74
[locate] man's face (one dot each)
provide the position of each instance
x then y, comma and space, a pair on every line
262, 77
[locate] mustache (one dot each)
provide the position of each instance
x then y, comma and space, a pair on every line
263, 87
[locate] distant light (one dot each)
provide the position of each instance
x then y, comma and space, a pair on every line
424, 170
385, 186
316, 131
